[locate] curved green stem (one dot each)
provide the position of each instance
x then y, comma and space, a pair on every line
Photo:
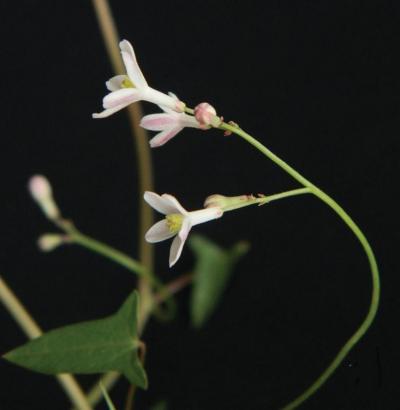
109, 252
74, 236
359, 333
282, 195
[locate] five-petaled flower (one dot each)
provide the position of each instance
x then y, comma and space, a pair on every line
177, 222
169, 123
127, 89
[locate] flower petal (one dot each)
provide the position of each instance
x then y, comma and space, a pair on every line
131, 65
123, 96
162, 100
109, 111
177, 244
164, 136
189, 121
205, 215
159, 232
159, 122
162, 205
115, 83
174, 203
169, 110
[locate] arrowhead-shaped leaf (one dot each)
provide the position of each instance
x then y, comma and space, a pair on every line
95, 346
213, 269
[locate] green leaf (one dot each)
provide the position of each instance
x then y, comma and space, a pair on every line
95, 346
214, 267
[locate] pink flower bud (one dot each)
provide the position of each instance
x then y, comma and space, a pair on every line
206, 115
41, 192
39, 187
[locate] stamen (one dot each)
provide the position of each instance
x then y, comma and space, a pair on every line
127, 83
174, 222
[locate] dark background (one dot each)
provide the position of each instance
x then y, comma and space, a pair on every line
317, 82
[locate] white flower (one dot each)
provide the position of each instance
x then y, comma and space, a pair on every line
127, 89
177, 222
169, 123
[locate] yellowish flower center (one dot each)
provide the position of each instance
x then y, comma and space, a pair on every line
127, 83
174, 222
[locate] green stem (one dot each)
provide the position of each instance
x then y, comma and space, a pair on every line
189, 111
231, 203
359, 333
74, 236
109, 252
281, 195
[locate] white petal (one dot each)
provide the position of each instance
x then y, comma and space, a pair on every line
123, 96
164, 136
169, 110
188, 121
131, 65
174, 203
115, 83
109, 111
161, 99
177, 244
159, 122
161, 204
174, 96
205, 215
158, 232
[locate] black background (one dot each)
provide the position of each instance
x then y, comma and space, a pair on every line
317, 82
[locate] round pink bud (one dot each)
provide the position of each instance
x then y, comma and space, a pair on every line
206, 115
39, 187
41, 191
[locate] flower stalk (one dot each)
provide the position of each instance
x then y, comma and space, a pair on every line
375, 294
235, 202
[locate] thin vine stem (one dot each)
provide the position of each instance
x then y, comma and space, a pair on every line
375, 294
110, 253
78, 238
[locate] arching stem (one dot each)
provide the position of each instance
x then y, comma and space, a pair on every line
359, 333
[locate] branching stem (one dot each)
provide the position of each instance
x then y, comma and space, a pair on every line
359, 333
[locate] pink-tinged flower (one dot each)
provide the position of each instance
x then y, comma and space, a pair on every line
127, 89
177, 222
169, 123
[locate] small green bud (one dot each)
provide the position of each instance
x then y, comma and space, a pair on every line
50, 241
229, 203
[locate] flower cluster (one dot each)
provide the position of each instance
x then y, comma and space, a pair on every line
132, 87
